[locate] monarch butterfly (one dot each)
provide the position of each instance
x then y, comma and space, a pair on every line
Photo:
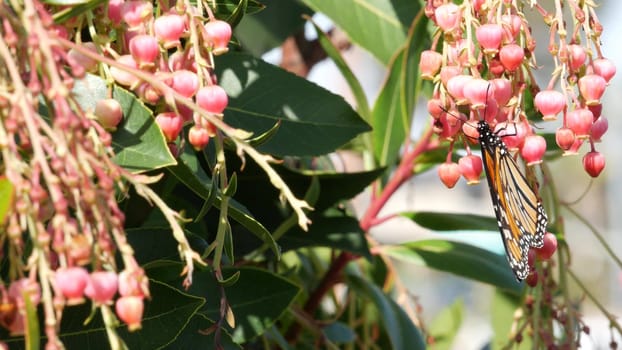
520, 215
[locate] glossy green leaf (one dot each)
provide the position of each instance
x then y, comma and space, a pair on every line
138, 142
394, 107
354, 84
314, 121
75, 8
166, 315
335, 187
6, 197
237, 13
452, 221
258, 298
400, 329
267, 29
379, 26
343, 233
458, 258
446, 324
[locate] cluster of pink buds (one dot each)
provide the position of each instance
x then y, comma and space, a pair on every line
481, 63
63, 233
176, 48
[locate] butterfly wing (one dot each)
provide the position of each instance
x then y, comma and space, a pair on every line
520, 215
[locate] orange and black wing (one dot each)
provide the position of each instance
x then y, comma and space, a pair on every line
520, 215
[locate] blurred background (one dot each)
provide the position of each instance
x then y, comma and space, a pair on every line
601, 204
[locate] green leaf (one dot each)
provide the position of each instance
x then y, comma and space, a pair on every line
314, 121
391, 116
335, 187
6, 197
237, 14
166, 315
446, 325
355, 86
339, 332
400, 329
258, 299
343, 233
379, 26
268, 28
452, 221
138, 142
458, 258
73, 11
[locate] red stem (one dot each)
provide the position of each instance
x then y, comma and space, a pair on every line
403, 172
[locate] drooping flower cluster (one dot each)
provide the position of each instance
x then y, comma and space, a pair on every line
64, 231
176, 48
482, 63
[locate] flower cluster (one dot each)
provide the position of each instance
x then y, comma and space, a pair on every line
64, 232
176, 48
482, 64
483, 69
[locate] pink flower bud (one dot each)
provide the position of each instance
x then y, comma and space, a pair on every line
592, 87
212, 98
594, 163
435, 107
471, 168
198, 137
596, 110
533, 149
185, 83
115, 10
599, 128
605, 68
144, 48
130, 310
502, 90
218, 35
456, 85
133, 282
489, 37
448, 17
550, 103
171, 124
449, 173
72, 281
512, 25
564, 137
512, 134
168, 29
478, 91
577, 56
101, 287
135, 13
580, 121
549, 247
430, 64
511, 56
109, 113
